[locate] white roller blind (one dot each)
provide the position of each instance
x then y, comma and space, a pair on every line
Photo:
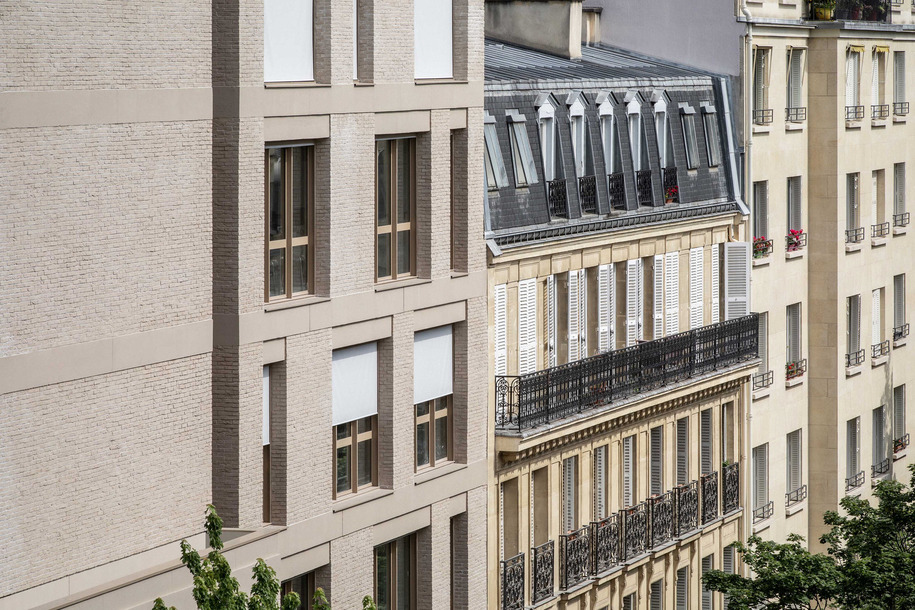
354, 382
658, 319
683, 451
551, 320
605, 307
500, 328
736, 279
899, 76
527, 326
433, 364
288, 41
794, 461
898, 300
266, 407
657, 460
705, 441
899, 411
628, 471
716, 289
876, 315
432, 39
852, 444
695, 288
672, 296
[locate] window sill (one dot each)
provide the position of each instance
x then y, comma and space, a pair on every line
878, 122
876, 242
899, 342
761, 129
875, 362
395, 284
852, 247
794, 127
305, 84
795, 508
438, 81
761, 262
900, 454
360, 498
455, 274
794, 254
852, 124
764, 392
851, 371
900, 230
762, 525
882, 477
363, 83
790, 383
430, 474
302, 301
899, 119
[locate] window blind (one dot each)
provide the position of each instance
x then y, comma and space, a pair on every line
600, 482
705, 441
794, 203
760, 476
606, 307
899, 411
794, 460
629, 471
879, 430
898, 300
265, 427
851, 201
706, 593
899, 76
898, 188
794, 78
794, 332
682, 600
852, 70
876, 317
288, 41
764, 342
551, 313
568, 494
683, 451
433, 364
852, 447
760, 209
354, 383
716, 290
658, 317
853, 336
633, 301
432, 39
656, 595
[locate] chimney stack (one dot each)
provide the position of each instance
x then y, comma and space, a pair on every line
553, 26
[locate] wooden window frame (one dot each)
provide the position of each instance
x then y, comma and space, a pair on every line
392, 570
309, 589
395, 227
289, 242
355, 437
431, 416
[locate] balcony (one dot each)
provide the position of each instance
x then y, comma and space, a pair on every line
661, 510
731, 500
671, 187
901, 220
880, 350
795, 241
900, 332
880, 112
880, 468
900, 108
709, 483
643, 186
574, 557
854, 113
854, 482
798, 495
854, 236
761, 381
900, 444
687, 507
587, 193
763, 512
512, 582
880, 231
557, 198
568, 390
796, 369
605, 536
542, 571
617, 186
763, 116
853, 10
635, 530
796, 115
854, 359
762, 248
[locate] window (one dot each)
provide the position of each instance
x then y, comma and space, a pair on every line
688, 122
601, 473
696, 281
527, 326
354, 389
764, 342
265, 433
712, 142
682, 593
878, 71
899, 82
540, 505
899, 188
852, 447
898, 303
727, 432
432, 39
852, 212
635, 285
728, 562
795, 82
705, 442
522, 159
509, 518
877, 316
853, 78
569, 494
394, 199
736, 280
496, 177
546, 115
288, 41
879, 442
579, 128
683, 451
395, 574
629, 466
500, 329
877, 197
794, 332
606, 307
610, 139
707, 565
761, 86
656, 595
760, 476
672, 293
853, 325
793, 459
795, 222
629, 602
662, 130
304, 585
760, 209
289, 202
657, 461
577, 314
432, 395
899, 412
634, 114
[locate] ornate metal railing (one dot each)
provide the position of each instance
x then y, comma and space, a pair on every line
855, 358
762, 247
880, 468
900, 332
853, 10
763, 380
763, 512
661, 511
901, 220
881, 349
854, 236
900, 108
671, 186
880, 230
709, 484
793, 497
543, 396
730, 500
880, 111
542, 571
635, 530
687, 507
587, 193
574, 557
763, 116
854, 481
795, 369
605, 544
513, 582
796, 242
617, 185
796, 115
557, 198
854, 113
901, 443
643, 186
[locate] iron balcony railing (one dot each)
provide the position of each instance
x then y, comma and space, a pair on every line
763, 380
661, 511
854, 113
880, 111
901, 220
796, 115
761, 247
763, 512
542, 572
617, 185
687, 507
901, 443
605, 543
796, 241
540, 397
853, 10
731, 498
512, 582
880, 468
574, 557
854, 481
763, 116
881, 349
880, 230
900, 108
855, 358
587, 193
901, 332
635, 530
795, 369
709, 484
798, 495
643, 186
671, 187
557, 198
854, 236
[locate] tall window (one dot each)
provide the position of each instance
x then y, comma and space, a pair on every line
394, 203
630, 602
688, 121
656, 595
354, 390
852, 211
579, 127
760, 209
432, 39
764, 342
707, 565
794, 332
682, 592
683, 451
303, 585
496, 176
432, 395
570, 494
852, 78
877, 197
877, 316
265, 432
288, 41
852, 448
727, 432
522, 159
657, 461
610, 139
290, 194
899, 97
705, 442
712, 142
546, 115
879, 429
509, 518
795, 82
629, 464
601, 474
395, 574
853, 325
898, 304
898, 189
878, 69
899, 412
635, 134
793, 458
696, 287
795, 221
760, 476
761, 114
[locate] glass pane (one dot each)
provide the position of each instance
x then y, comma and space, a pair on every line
277, 195
403, 575
365, 425
343, 431
383, 177
422, 444
441, 438
277, 272
422, 409
384, 255
364, 459
382, 578
403, 253
441, 403
344, 480
404, 175
299, 192
300, 268
299, 585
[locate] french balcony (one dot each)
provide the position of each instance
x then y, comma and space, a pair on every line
880, 350
900, 333
574, 557
853, 10
880, 112
731, 499
671, 187
605, 536
570, 390
880, 468
795, 241
854, 236
661, 510
761, 381
709, 484
795, 369
900, 108
796, 115
900, 444
900, 223
853, 482
854, 113
558, 198
643, 187
763, 512
762, 248
635, 530
854, 359
617, 186
798, 495
587, 193
542, 572
512, 582
687, 507
879, 233
763, 116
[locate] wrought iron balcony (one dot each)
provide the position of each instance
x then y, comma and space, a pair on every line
557, 198
671, 187
513, 582
796, 369
855, 358
731, 500
854, 113
643, 187
562, 391
854, 481
901, 332
763, 512
900, 108
763, 380
709, 485
687, 507
635, 530
574, 557
796, 240
901, 443
661, 511
798, 495
853, 10
854, 236
763, 116
901, 220
761, 247
880, 111
880, 468
587, 192
605, 538
617, 185
881, 349
542, 572
796, 115
880, 230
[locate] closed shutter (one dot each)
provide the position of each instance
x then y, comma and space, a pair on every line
633, 301
583, 313
760, 209
851, 447
568, 494
706, 593
760, 476
899, 76
658, 296
854, 324
629, 602
851, 201
875, 78
760, 78
683, 589
500, 324
600, 482
604, 308
736, 280
551, 320
502, 521
875, 217
716, 290
794, 203
727, 566
898, 300
628, 470
635, 141
879, 444
794, 332
672, 281
899, 411
683, 451
695, 288
794, 460
899, 188
876, 315
705, 441
527, 326
657, 460
574, 316
851, 79
794, 79
764, 342
656, 595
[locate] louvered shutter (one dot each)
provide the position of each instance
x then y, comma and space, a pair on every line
736, 279
875, 317
898, 300
854, 324
851, 201
851, 447
794, 203
583, 313
658, 296
879, 442
794, 332
706, 593
500, 330
874, 215
502, 521
628, 602
875, 79
759, 80
600, 482
657, 460
695, 288
527, 326
794, 460
672, 281
656, 595
794, 79
763, 342
899, 76
604, 307
683, 451
574, 321
551, 320
899, 411
716, 290
727, 566
639, 299
683, 589
760, 209
628, 482
632, 301
851, 79
568, 494
899, 188
705, 440
760, 476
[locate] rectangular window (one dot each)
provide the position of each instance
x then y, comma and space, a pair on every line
578, 126
629, 602
394, 204
795, 221
760, 85
728, 565
289, 203
496, 176
898, 302
635, 139
727, 432
548, 142
509, 518
288, 41
432, 395
601, 473
540, 505
682, 600
877, 197
852, 447
570, 494
853, 324
265, 432
793, 458
852, 213
656, 595
610, 142
878, 68
500, 329
899, 188
657, 461
432, 39
760, 209
878, 418
672, 293
303, 585
736, 279
707, 565
527, 326
634, 288
794, 332
852, 78
795, 81
705, 441
899, 412
629, 465
395, 574
433, 432
577, 314
899, 78
764, 342
688, 121
683, 451
696, 281
522, 158
760, 476
877, 316
606, 308
354, 390
712, 142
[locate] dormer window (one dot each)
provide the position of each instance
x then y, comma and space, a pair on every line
712, 142
688, 121
496, 177
578, 127
662, 130
547, 117
609, 138
522, 158
633, 111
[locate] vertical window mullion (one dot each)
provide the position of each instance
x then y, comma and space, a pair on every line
393, 195
287, 212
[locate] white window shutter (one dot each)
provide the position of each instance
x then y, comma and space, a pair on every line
716, 290
899, 188
875, 79
583, 313
899, 411
551, 320
794, 79
760, 209
695, 288
736, 279
527, 326
500, 328
672, 281
760, 476
899, 76
604, 307
502, 521
657, 460
658, 296
640, 299
632, 301
898, 300
682, 451
705, 441
851, 79
794, 460
794, 332
764, 342
628, 467
875, 317
574, 322
600, 480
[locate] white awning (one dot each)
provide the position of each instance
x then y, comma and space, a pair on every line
354, 383
433, 364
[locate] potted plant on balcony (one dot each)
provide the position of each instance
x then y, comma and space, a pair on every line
672, 194
854, 9
794, 239
760, 247
823, 9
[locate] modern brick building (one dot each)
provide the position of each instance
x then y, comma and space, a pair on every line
242, 263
